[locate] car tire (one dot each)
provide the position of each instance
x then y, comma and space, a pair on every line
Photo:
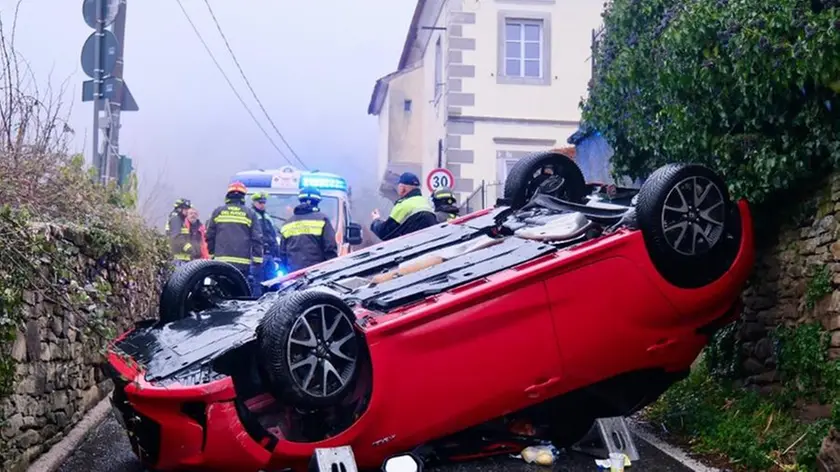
523, 179
305, 338
185, 293
691, 228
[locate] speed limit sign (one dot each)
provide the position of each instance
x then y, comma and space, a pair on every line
439, 178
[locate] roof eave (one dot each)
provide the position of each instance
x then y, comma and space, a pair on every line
412, 33
377, 97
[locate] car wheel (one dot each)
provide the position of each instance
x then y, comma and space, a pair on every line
200, 285
551, 172
691, 228
310, 348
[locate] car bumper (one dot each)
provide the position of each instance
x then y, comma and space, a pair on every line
183, 428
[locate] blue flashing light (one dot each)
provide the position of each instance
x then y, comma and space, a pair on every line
253, 180
323, 182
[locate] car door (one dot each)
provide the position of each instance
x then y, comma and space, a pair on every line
463, 368
607, 316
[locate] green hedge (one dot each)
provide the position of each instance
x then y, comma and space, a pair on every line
746, 86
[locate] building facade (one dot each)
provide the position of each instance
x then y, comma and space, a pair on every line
481, 83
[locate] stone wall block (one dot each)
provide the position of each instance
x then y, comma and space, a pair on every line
58, 376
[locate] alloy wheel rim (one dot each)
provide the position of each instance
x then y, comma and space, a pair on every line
693, 216
322, 351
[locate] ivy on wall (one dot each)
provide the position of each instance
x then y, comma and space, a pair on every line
748, 87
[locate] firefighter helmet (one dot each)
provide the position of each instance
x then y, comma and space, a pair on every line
443, 195
236, 187
309, 193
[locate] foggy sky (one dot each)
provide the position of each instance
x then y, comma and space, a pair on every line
312, 63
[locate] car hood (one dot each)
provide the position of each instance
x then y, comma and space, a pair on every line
185, 344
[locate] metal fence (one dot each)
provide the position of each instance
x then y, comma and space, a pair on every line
483, 197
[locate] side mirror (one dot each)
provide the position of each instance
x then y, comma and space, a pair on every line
402, 463
353, 234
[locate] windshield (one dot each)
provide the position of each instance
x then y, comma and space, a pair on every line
281, 206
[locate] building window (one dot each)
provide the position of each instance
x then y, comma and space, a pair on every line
406, 105
438, 68
524, 48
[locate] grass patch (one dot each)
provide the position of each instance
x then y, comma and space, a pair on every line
754, 432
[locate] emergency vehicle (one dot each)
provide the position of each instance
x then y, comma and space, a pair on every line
283, 186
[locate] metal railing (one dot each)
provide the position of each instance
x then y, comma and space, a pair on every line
483, 197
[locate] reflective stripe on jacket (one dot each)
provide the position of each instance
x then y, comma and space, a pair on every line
234, 234
306, 239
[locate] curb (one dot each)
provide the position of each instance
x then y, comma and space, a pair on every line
643, 433
51, 460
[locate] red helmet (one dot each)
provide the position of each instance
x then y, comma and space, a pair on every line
237, 187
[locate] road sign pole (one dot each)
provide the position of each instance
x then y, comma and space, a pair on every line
97, 92
115, 104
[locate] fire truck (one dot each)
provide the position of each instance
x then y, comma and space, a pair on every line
283, 186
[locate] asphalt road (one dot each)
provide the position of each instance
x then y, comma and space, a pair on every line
106, 449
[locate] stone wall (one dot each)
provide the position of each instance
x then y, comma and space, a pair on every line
58, 347
786, 287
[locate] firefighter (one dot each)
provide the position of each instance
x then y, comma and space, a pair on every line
175, 210
234, 234
307, 238
444, 202
269, 238
178, 231
411, 211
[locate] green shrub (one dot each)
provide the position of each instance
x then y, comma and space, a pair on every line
754, 432
722, 353
803, 363
748, 87
758, 432
819, 286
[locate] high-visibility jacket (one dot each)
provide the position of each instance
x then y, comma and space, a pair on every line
307, 238
410, 213
234, 235
179, 237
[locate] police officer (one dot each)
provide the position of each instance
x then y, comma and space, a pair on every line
444, 201
307, 238
269, 237
411, 211
234, 235
179, 232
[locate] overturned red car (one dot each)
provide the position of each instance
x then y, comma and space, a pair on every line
550, 310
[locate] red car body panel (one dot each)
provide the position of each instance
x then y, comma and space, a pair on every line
438, 364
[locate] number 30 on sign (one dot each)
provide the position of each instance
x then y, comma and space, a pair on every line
439, 178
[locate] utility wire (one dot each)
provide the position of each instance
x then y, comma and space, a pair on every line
248, 83
241, 100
